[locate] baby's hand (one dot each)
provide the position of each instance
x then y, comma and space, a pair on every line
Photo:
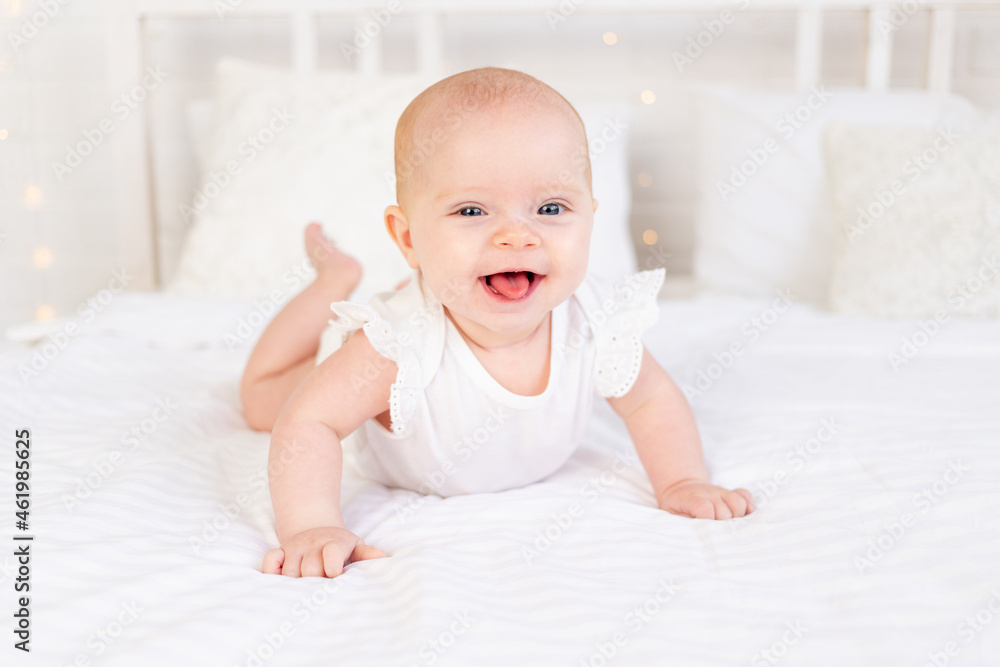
318, 552
701, 500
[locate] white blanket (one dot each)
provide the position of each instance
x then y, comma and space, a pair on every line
876, 540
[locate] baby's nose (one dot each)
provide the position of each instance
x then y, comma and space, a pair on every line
516, 234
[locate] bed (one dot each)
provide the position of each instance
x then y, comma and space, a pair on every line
864, 421
149, 536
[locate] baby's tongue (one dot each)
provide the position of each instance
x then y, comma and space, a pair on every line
513, 284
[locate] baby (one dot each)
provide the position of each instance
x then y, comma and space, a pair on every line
499, 333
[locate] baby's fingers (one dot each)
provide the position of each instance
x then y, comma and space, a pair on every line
334, 558
273, 560
738, 503
747, 498
364, 552
696, 507
722, 509
313, 563
336, 555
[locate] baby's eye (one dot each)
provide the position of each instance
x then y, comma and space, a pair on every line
550, 209
471, 210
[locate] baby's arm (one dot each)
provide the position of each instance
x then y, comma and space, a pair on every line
663, 429
305, 460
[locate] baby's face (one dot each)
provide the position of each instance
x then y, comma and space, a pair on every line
500, 220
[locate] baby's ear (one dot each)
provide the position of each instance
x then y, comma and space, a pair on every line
595, 205
399, 231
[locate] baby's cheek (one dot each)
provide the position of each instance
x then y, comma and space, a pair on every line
446, 286
577, 256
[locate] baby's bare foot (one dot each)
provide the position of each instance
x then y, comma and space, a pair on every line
333, 266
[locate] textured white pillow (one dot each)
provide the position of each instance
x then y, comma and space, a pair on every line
333, 163
763, 221
307, 147
612, 254
919, 216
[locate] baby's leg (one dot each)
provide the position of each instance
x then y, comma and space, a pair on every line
286, 351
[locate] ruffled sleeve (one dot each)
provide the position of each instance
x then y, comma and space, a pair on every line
385, 325
618, 316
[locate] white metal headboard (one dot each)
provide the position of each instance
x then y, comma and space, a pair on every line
125, 34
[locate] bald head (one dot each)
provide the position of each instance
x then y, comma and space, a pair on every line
436, 112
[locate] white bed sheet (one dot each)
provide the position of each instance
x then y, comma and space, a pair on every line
133, 575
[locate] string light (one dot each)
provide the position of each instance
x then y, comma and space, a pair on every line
610, 38
44, 312
42, 258
3, 134
645, 179
32, 196
649, 237
648, 96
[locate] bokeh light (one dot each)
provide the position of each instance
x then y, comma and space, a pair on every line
42, 258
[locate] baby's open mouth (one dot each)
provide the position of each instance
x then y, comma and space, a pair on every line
512, 285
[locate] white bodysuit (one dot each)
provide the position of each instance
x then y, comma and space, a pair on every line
454, 429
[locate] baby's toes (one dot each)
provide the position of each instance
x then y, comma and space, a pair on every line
330, 262
319, 248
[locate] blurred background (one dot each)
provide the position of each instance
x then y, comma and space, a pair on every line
61, 75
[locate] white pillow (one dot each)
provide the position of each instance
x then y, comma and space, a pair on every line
249, 235
918, 213
199, 114
308, 147
612, 254
763, 222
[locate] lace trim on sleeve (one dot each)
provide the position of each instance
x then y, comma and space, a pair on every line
403, 395
618, 326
